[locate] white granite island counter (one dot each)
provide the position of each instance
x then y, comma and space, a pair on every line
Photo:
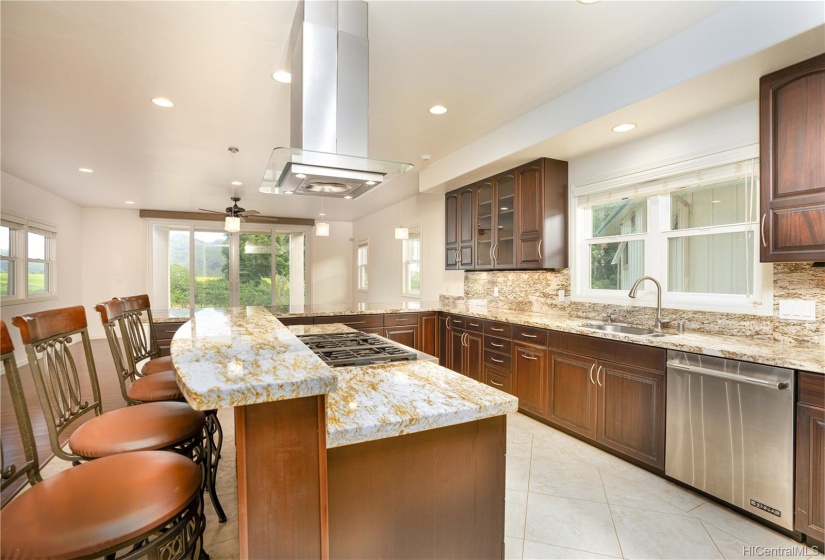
333, 462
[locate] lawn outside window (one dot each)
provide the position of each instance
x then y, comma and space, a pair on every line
28, 255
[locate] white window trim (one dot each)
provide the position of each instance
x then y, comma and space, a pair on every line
21, 260
655, 239
404, 292
362, 243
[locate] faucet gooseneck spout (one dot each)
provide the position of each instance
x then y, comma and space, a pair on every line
659, 322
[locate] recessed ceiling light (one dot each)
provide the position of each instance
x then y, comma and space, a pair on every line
288, 192
348, 197
504, 208
438, 109
128, 201
300, 175
162, 102
85, 170
624, 127
715, 201
282, 76
587, 1
237, 183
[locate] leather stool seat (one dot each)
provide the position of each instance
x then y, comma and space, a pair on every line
161, 386
157, 365
99, 505
147, 426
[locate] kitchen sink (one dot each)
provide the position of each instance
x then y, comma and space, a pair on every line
624, 329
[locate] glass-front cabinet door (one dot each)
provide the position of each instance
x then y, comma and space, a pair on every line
485, 217
504, 244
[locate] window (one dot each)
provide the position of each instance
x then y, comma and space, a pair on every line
695, 232
411, 263
196, 266
362, 265
28, 252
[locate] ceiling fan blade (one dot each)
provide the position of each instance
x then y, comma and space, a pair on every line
248, 212
211, 211
261, 216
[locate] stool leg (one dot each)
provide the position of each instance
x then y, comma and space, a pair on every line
214, 443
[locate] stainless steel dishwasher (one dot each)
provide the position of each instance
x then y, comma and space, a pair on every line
730, 432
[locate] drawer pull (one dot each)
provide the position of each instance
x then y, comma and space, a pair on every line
526, 357
473, 324
497, 330
529, 335
458, 322
496, 345
400, 319
496, 384
497, 361
354, 323
171, 332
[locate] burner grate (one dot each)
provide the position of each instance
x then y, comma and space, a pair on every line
355, 349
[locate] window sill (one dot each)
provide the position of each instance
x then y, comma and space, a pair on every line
30, 299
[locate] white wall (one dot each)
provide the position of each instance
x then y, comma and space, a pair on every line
425, 210
30, 201
332, 269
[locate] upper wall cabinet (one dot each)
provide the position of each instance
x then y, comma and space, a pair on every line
519, 218
792, 150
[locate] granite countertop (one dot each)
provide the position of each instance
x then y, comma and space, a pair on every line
241, 356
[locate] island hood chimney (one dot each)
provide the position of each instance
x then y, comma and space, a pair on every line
329, 50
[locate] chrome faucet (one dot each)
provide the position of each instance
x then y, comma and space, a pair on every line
659, 322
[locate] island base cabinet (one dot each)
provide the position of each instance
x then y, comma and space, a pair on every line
379, 489
632, 412
282, 479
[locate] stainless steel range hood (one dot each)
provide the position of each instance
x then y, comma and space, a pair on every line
329, 107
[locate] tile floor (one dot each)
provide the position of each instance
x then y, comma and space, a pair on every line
566, 499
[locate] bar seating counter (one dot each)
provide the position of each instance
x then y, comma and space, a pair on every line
392, 460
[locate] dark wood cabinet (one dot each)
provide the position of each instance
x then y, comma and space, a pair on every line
810, 456
460, 226
443, 340
451, 221
541, 214
466, 346
792, 160
408, 336
428, 333
631, 415
573, 393
164, 332
530, 368
495, 215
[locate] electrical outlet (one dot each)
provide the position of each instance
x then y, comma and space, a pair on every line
561, 295
797, 309
495, 291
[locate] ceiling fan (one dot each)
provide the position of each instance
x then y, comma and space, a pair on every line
234, 214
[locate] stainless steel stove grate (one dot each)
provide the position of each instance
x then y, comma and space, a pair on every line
355, 349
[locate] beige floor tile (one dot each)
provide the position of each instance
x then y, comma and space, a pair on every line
517, 476
515, 513
519, 442
598, 458
568, 480
736, 549
740, 526
217, 532
622, 492
541, 551
673, 494
513, 548
570, 523
225, 550
661, 536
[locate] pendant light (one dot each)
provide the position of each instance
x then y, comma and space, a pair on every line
402, 232
322, 228
232, 224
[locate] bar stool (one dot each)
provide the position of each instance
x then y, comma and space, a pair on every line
141, 504
124, 329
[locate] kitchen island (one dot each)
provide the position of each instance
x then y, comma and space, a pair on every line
394, 460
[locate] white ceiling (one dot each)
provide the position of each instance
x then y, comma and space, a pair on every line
77, 78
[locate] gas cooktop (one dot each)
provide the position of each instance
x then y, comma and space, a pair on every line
355, 349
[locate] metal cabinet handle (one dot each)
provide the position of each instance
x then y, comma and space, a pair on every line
764, 243
538, 250
497, 361
591, 374
529, 335
473, 324
496, 384
601, 370
354, 323
464, 339
526, 357
497, 330
458, 322
402, 319
496, 345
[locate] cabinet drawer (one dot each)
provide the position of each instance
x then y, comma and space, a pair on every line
467, 323
165, 331
812, 389
499, 345
355, 321
498, 360
497, 328
530, 335
498, 379
400, 319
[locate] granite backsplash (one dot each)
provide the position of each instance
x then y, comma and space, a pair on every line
537, 291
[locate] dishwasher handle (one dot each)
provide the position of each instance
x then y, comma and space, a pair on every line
780, 386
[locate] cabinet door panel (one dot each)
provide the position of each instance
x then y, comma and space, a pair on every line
474, 360
632, 412
530, 367
451, 219
798, 229
810, 471
530, 202
573, 393
443, 340
428, 333
456, 359
466, 229
505, 224
485, 225
499, 379
408, 336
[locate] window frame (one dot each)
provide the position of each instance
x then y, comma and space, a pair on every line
405, 265
656, 245
19, 258
359, 265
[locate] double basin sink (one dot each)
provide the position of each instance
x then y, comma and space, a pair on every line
625, 329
